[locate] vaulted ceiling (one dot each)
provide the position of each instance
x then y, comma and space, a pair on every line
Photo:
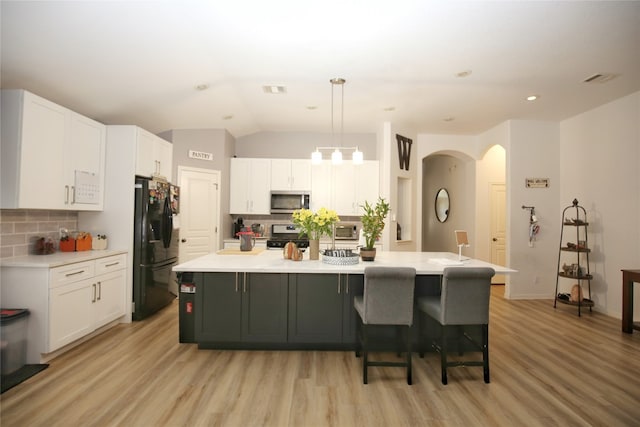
426, 66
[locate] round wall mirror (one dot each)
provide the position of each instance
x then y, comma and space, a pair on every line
442, 205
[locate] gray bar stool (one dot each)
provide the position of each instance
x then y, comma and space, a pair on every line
464, 300
387, 300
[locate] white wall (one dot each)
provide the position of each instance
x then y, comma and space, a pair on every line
533, 152
221, 144
490, 169
389, 173
600, 166
299, 145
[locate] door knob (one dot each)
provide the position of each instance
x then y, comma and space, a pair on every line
495, 239
183, 240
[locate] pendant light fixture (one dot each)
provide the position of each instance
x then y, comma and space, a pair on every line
336, 155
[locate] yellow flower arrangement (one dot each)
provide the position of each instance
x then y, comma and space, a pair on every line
314, 225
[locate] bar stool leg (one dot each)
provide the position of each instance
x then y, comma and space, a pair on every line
443, 355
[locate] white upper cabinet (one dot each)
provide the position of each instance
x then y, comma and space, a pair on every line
154, 155
344, 188
290, 174
85, 163
367, 183
250, 191
52, 158
321, 186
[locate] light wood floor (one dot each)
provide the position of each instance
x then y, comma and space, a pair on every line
548, 368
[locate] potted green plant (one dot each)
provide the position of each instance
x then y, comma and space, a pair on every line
372, 226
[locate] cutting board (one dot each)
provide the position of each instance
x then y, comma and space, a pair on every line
234, 251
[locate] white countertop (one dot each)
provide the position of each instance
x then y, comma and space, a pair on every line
272, 261
57, 259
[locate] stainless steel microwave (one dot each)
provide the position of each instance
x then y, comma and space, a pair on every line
289, 201
346, 231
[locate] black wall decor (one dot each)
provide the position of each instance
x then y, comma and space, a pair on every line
404, 151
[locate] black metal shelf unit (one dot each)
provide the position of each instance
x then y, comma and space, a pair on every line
578, 270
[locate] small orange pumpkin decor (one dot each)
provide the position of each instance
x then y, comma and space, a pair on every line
289, 249
297, 255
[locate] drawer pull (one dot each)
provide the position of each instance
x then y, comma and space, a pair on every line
112, 264
74, 273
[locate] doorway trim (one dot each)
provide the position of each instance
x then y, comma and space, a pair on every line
218, 176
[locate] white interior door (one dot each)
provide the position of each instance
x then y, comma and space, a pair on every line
199, 212
498, 228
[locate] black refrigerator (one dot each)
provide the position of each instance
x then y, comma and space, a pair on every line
155, 243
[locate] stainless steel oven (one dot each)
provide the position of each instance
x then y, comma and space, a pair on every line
283, 233
346, 231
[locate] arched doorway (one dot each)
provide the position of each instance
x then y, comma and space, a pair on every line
454, 172
472, 185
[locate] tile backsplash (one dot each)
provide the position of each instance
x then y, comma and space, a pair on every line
20, 228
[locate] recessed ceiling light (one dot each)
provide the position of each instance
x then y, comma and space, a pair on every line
390, 109
312, 107
532, 97
274, 89
202, 86
465, 73
449, 119
228, 117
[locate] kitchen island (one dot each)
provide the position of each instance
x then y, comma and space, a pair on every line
259, 300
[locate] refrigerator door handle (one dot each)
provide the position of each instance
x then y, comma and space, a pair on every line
167, 226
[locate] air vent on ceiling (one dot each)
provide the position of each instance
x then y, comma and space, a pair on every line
273, 89
600, 78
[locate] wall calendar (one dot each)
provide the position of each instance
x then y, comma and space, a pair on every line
87, 188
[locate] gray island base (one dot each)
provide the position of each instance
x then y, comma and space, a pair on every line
263, 302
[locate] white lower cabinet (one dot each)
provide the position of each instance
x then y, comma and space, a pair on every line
70, 313
109, 299
67, 302
77, 309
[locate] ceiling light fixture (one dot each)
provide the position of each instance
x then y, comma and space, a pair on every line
532, 97
336, 155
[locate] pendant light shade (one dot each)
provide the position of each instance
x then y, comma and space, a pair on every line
357, 158
336, 157
316, 157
